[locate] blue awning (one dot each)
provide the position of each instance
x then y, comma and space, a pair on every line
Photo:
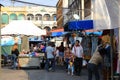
80, 25
54, 34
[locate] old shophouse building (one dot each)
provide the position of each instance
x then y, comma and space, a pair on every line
80, 7
62, 7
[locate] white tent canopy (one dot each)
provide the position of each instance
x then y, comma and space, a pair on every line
22, 27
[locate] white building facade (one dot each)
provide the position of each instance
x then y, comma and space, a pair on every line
41, 16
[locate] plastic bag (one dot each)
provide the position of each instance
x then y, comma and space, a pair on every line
84, 63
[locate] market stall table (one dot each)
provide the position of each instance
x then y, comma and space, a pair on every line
29, 61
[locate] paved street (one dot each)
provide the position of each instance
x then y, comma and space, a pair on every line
9, 74
37, 74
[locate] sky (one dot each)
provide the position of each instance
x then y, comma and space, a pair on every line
41, 2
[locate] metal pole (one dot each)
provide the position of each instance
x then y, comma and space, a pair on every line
82, 3
111, 52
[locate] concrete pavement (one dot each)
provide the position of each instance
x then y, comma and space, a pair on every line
37, 74
9, 74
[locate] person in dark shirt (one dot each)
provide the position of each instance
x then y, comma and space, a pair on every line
61, 53
15, 54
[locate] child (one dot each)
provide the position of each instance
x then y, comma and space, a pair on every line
70, 65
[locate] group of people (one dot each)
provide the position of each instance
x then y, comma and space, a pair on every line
72, 57
37, 47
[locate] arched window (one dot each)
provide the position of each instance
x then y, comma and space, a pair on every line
21, 17
47, 17
13, 16
5, 18
47, 28
38, 17
55, 27
54, 17
30, 17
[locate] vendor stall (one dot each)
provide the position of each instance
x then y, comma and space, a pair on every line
26, 60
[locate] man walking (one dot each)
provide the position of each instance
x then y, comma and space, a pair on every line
50, 61
77, 50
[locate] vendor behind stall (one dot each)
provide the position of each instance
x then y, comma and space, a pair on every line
15, 53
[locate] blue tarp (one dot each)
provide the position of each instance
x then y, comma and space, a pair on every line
58, 33
80, 25
98, 33
35, 39
7, 41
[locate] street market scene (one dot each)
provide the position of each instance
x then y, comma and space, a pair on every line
60, 40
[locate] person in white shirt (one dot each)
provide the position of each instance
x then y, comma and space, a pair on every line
77, 50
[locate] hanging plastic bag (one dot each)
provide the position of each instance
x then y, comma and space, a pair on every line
84, 63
